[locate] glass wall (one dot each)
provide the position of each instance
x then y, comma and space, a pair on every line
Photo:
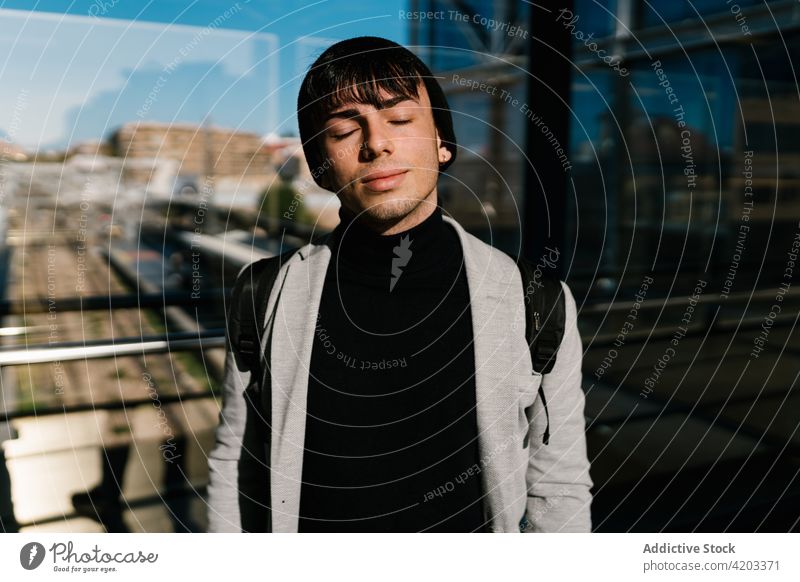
695, 138
684, 228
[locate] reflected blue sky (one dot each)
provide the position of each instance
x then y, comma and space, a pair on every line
76, 71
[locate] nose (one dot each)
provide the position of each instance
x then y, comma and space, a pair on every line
377, 140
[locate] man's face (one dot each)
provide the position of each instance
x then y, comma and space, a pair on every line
384, 162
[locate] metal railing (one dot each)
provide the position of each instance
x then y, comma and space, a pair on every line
105, 348
32, 305
131, 346
119, 347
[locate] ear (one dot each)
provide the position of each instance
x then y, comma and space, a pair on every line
444, 153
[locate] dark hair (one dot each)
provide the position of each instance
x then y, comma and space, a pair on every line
355, 70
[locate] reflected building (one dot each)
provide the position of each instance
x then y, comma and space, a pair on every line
661, 152
479, 52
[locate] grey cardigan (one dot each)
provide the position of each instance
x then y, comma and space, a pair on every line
544, 487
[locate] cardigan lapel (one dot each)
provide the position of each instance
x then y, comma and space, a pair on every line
496, 299
292, 341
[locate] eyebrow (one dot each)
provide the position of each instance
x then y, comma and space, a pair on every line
350, 113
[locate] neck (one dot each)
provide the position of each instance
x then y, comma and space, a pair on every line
417, 216
366, 250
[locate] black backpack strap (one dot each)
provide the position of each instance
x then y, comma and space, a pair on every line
545, 315
548, 305
254, 305
249, 308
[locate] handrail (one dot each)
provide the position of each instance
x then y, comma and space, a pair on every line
128, 346
39, 304
214, 338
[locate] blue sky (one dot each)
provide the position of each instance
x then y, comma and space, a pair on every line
73, 71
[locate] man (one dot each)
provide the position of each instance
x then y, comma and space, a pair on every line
399, 376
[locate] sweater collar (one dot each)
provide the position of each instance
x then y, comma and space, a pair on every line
361, 249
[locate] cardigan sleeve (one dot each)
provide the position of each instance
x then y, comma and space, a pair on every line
223, 460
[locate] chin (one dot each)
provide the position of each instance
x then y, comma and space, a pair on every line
390, 210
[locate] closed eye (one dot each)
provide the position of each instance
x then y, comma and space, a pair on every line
393, 122
343, 135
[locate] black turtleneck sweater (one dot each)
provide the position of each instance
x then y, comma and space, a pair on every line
391, 432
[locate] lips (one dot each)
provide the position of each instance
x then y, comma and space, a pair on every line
383, 174
384, 180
